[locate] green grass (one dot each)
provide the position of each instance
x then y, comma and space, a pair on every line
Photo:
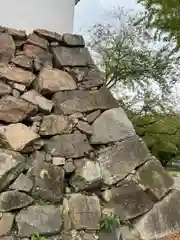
174, 173
110, 222
37, 236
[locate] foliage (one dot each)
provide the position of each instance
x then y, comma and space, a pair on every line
164, 15
37, 236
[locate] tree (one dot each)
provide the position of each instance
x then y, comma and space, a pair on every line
164, 16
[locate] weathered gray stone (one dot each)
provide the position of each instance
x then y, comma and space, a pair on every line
18, 75
93, 116
85, 127
35, 145
9, 139
71, 56
11, 165
119, 160
48, 181
155, 178
12, 200
46, 220
23, 62
70, 145
4, 89
19, 87
69, 167
74, 40
128, 200
162, 220
22, 183
55, 124
7, 48
84, 211
92, 78
6, 223
16, 34
84, 101
59, 161
51, 80
87, 176
37, 41
35, 98
16, 93
50, 36
112, 125
13, 110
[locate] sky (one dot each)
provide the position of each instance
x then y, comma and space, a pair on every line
89, 12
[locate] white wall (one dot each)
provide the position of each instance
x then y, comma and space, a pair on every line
54, 15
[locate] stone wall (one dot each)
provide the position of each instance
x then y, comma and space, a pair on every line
69, 155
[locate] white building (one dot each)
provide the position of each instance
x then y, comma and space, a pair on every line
53, 15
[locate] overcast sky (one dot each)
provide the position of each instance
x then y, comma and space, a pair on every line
89, 12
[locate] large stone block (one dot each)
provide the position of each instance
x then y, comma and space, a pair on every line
7, 48
119, 160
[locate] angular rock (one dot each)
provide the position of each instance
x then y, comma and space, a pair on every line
51, 80
18, 75
35, 52
7, 48
83, 101
8, 135
23, 61
35, 98
70, 145
59, 161
92, 78
86, 176
16, 34
112, 125
84, 211
119, 160
36, 145
19, 87
69, 167
13, 110
71, 57
13, 200
48, 181
4, 89
11, 165
46, 220
155, 178
162, 220
37, 41
74, 40
22, 183
93, 116
55, 124
85, 128
128, 200
6, 223
50, 36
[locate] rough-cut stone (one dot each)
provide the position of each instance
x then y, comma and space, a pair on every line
37, 41
7, 48
17, 136
23, 62
19, 87
119, 160
83, 101
6, 223
35, 98
13, 110
51, 80
46, 220
87, 176
71, 57
129, 200
163, 219
154, 177
59, 161
50, 36
112, 125
92, 78
84, 211
70, 145
85, 127
22, 183
4, 89
12, 200
48, 181
74, 40
11, 165
93, 116
55, 124
15, 74
16, 34
69, 167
